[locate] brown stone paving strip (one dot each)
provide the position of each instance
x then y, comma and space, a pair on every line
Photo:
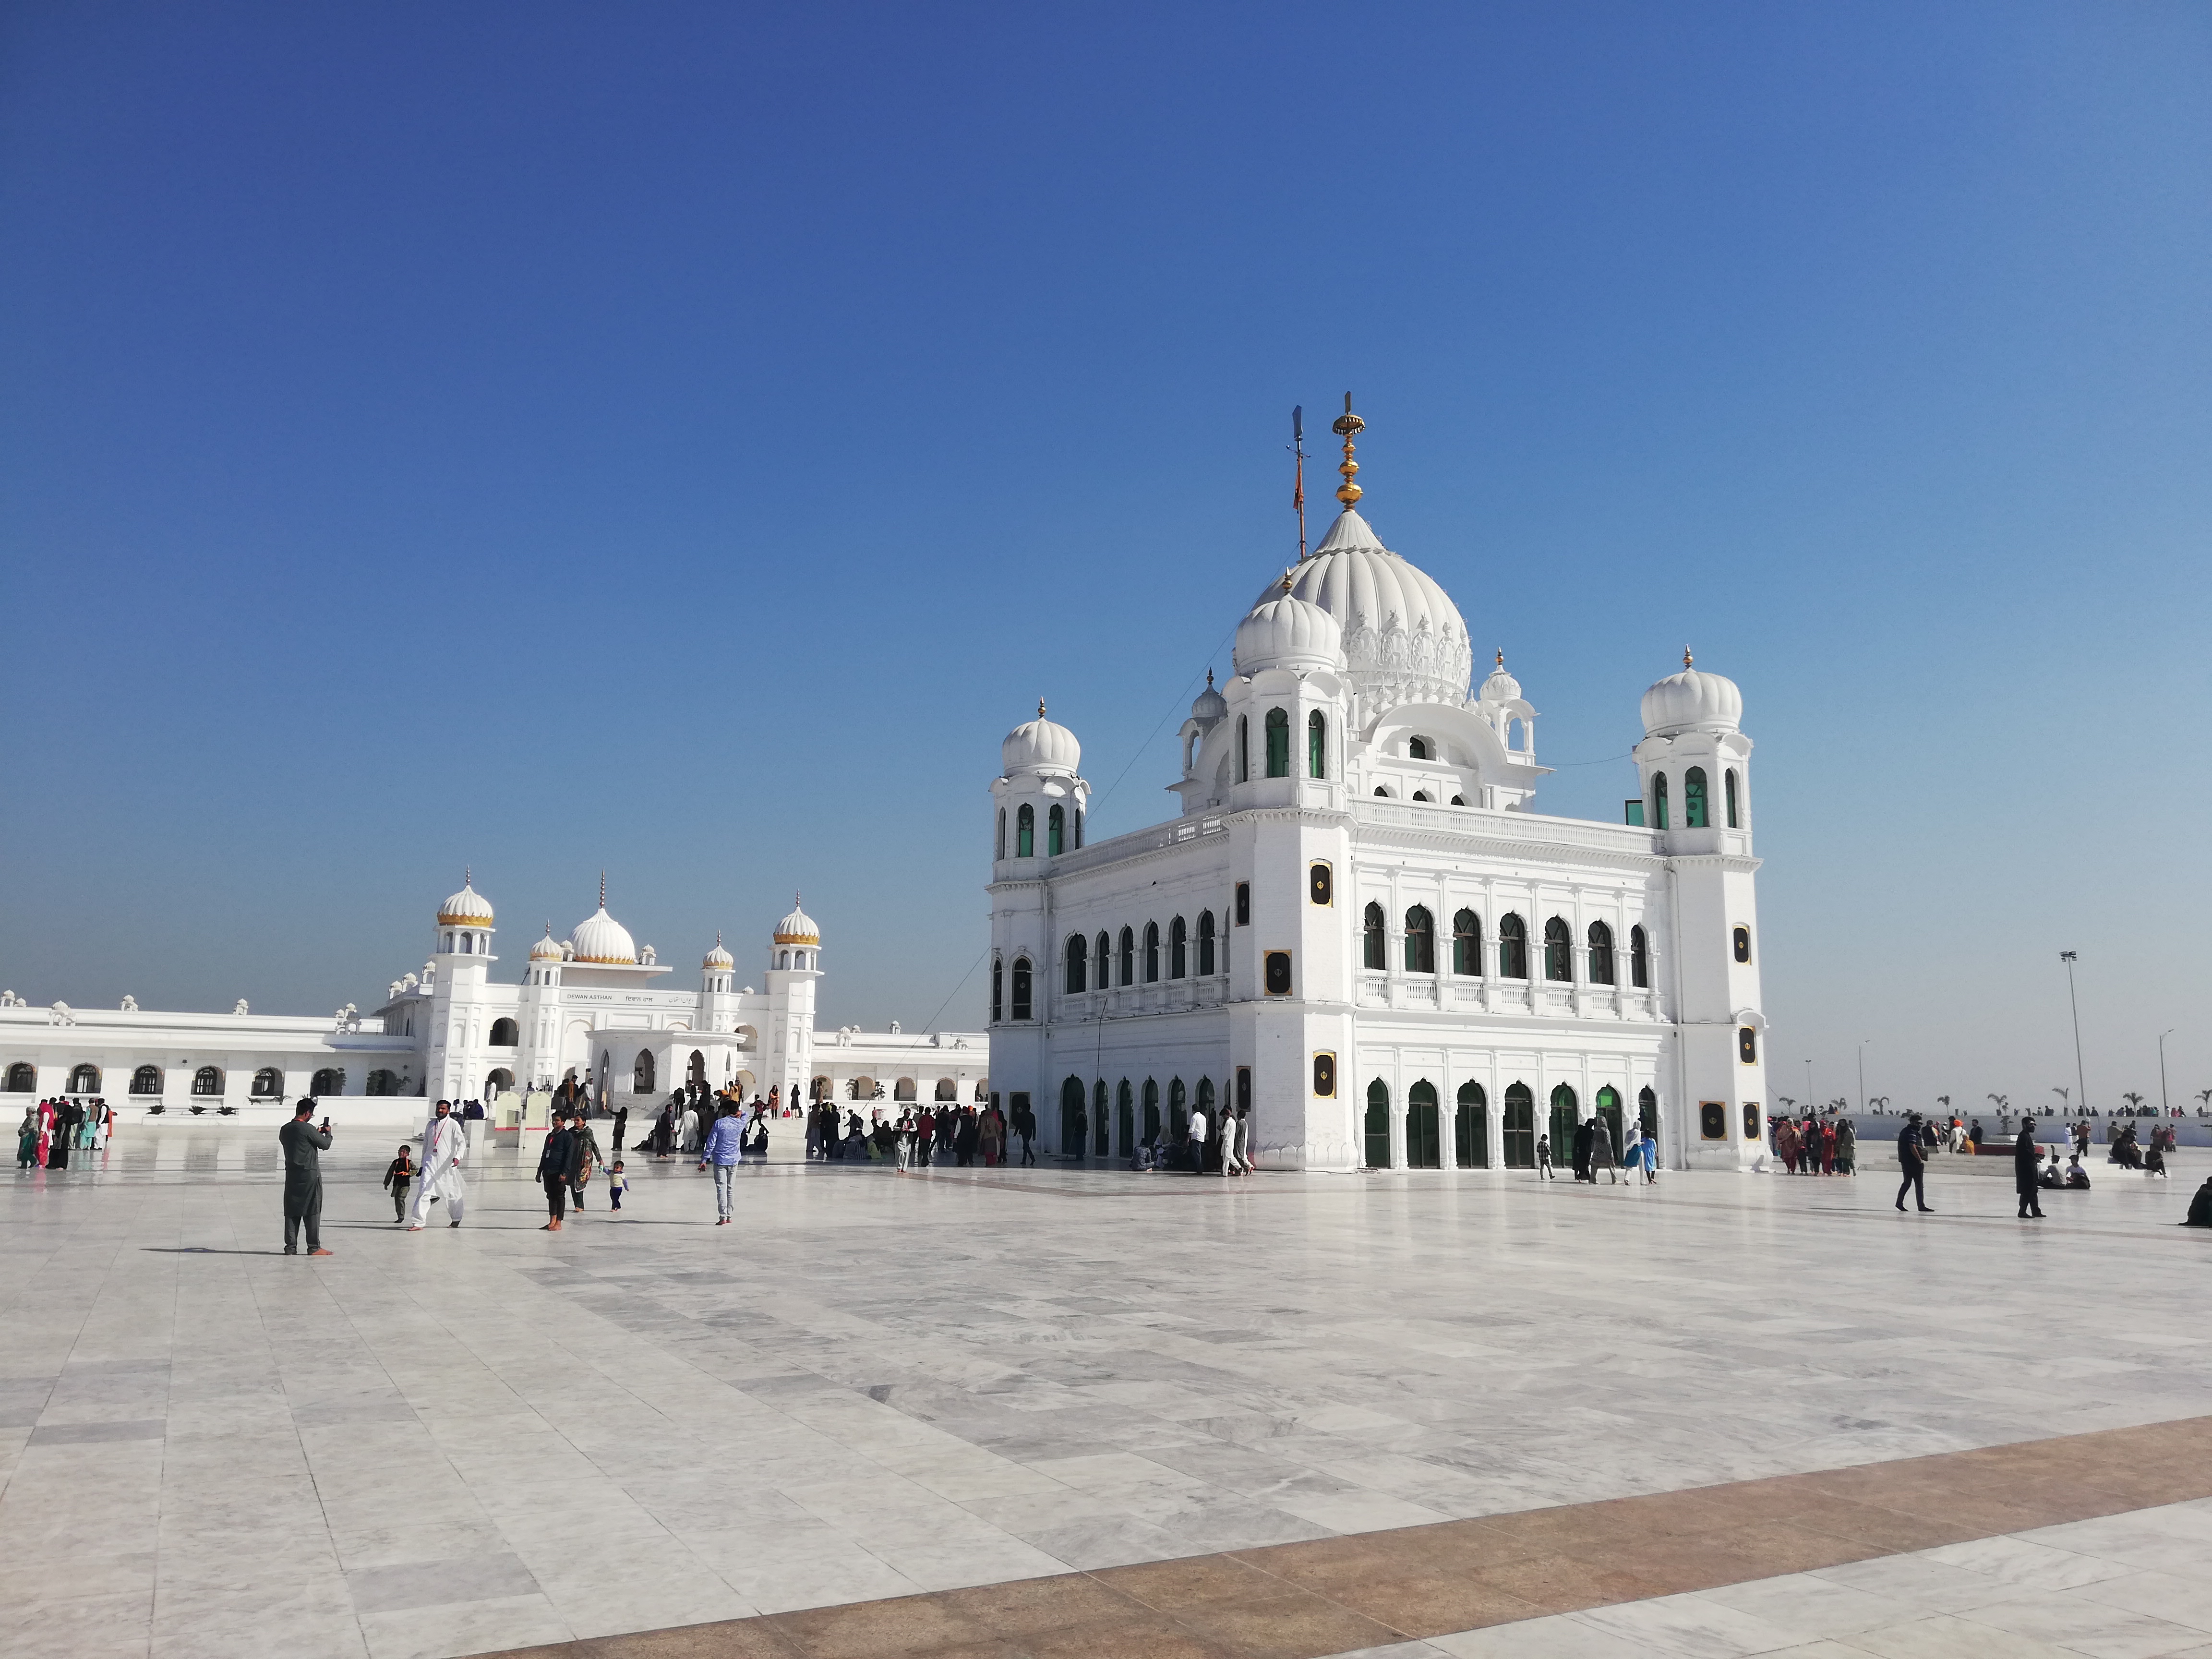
1332, 1596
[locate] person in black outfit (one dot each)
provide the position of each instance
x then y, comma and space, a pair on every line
554, 1159
2026, 1155
1912, 1158
397, 1176
304, 1146
1582, 1150
621, 1123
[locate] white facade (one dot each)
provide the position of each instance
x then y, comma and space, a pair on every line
591, 1008
1328, 929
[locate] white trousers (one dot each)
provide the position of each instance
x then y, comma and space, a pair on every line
449, 1187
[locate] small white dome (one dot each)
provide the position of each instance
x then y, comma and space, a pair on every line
466, 908
1501, 687
1286, 632
547, 949
798, 927
718, 957
1211, 705
599, 938
1040, 745
1691, 701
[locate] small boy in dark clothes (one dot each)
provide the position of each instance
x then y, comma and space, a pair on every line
617, 1183
397, 1177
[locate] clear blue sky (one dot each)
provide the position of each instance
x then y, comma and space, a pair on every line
684, 439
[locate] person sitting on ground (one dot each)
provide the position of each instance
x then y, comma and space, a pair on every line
2077, 1178
2125, 1153
2154, 1159
2200, 1206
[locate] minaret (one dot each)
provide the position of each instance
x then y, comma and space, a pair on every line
794, 963
461, 953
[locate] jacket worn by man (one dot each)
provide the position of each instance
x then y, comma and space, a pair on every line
1910, 1154
556, 1159
2027, 1161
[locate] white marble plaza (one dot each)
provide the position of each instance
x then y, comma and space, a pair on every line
460, 1441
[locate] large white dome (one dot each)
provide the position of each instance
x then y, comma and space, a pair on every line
1691, 701
1404, 640
599, 938
1288, 632
1040, 745
798, 927
467, 908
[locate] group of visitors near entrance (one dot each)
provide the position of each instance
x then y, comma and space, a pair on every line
1816, 1145
959, 1136
53, 1129
1592, 1151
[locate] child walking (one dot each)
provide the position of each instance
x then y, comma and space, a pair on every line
397, 1176
617, 1184
1544, 1169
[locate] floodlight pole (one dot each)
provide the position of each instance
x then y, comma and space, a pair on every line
2074, 1003
2163, 1111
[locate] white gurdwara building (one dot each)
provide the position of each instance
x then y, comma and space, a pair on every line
1360, 926
588, 1008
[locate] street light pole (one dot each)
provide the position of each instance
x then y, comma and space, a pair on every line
2163, 1110
1862, 1043
2073, 1002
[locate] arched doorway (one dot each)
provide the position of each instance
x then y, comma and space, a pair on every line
1423, 1144
641, 1076
1565, 1112
1213, 1159
498, 1082
1647, 1113
1152, 1111
698, 1070
1471, 1128
1608, 1113
1072, 1123
1126, 1118
1101, 1124
1519, 1127
1378, 1125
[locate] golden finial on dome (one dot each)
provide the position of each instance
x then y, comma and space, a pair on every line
1345, 426
1040, 707
1501, 656
1686, 656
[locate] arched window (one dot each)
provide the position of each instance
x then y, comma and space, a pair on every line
505, 1033
1601, 954
1125, 1120
23, 1079
332, 1081
1055, 831
1459, 800
1420, 941
1606, 1110
1659, 801
1423, 1140
1078, 829
1077, 964
947, 1089
1420, 794
1099, 1127
1381, 793
904, 1090
640, 1076
1243, 748
1378, 1125
1178, 1111
1558, 951
1640, 960
1102, 963
1152, 952
1567, 1112
84, 1079
1519, 1127
1178, 948
379, 1083
268, 1083
1205, 943
208, 1080
1375, 957
1151, 1110
1727, 787
1279, 742
146, 1080
1020, 998
1417, 749
1316, 745
1512, 947
1647, 1111
1025, 833
1128, 957
1693, 799
998, 849
998, 990
1466, 945
1471, 1128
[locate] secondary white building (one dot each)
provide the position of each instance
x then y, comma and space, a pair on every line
593, 1007
1359, 925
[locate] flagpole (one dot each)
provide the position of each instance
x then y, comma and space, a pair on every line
1299, 490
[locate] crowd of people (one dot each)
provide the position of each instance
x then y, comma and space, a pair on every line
53, 1129
1817, 1144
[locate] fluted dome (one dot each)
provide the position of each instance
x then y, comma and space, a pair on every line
1501, 687
1288, 632
718, 957
798, 927
1691, 701
599, 938
466, 908
1211, 705
547, 949
1403, 638
1040, 745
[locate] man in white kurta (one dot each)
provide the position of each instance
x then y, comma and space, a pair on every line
444, 1146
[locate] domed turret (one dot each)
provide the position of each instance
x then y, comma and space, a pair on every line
1500, 687
1691, 701
466, 908
547, 949
798, 927
1040, 745
600, 938
1288, 632
1211, 705
718, 957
